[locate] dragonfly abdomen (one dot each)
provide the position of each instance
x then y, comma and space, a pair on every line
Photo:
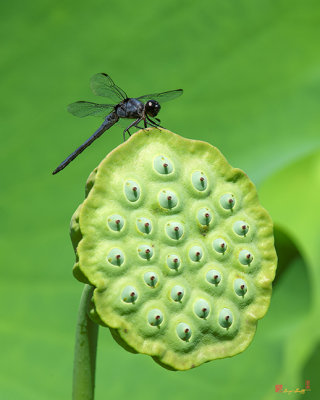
109, 121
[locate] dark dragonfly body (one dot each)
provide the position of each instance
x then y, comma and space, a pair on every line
141, 109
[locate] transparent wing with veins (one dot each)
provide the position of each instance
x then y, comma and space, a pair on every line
161, 97
102, 85
86, 108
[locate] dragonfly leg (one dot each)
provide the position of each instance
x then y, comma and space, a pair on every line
154, 124
145, 124
134, 123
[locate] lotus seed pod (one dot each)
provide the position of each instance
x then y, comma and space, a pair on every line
168, 199
116, 222
240, 287
213, 276
245, 257
174, 230
132, 190
195, 253
129, 294
151, 279
178, 249
225, 318
201, 308
173, 261
144, 225
227, 201
184, 331
204, 216
116, 257
241, 228
177, 292
163, 165
145, 252
199, 181
155, 317
220, 245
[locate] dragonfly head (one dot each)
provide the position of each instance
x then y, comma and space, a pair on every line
152, 108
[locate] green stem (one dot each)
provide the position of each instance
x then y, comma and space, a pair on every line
85, 350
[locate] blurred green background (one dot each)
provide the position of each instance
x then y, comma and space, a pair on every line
251, 74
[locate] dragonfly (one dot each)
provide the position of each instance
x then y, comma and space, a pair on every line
143, 109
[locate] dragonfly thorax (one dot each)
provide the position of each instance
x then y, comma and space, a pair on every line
152, 108
130, 108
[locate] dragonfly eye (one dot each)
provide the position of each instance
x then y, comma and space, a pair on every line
152, 108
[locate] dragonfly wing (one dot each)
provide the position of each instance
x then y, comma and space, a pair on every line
102, 85
161, 97
86, 108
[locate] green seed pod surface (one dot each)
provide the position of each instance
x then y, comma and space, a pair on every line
178, 248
